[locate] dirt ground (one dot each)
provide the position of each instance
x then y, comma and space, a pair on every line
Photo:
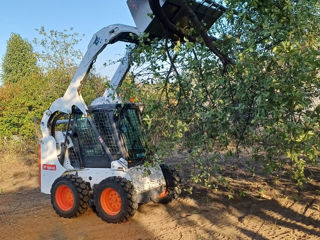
265, 210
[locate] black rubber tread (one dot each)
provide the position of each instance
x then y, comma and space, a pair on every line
129, 201
172, 184
81, 193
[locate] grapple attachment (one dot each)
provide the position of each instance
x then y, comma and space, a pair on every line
158, 17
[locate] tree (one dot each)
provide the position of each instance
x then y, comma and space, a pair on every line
19, 61
264, 102
27, 94
59, 58
58, 48
20, 103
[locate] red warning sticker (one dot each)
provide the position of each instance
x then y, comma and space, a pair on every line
49, 167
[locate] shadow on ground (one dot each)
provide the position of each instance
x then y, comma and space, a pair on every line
267, 210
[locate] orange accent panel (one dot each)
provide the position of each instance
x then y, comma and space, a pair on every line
163, 194
132, 99
39, 164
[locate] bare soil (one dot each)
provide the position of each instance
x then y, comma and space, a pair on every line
267, 210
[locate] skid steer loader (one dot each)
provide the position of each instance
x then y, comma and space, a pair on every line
96, 152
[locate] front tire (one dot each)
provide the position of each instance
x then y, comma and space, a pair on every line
115, 200
172, 190
70, 196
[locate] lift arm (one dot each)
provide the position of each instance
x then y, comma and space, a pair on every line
110, 95
99, 41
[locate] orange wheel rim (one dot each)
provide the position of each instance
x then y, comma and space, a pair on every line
163, 194
110, 201
64, 198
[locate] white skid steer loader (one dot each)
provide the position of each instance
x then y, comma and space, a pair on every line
95, 153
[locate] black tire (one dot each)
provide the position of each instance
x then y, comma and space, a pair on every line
81, 196
173, 180
125, 204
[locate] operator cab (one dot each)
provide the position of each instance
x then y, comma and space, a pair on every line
119, 125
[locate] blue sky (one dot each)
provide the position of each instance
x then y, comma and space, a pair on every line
86, 17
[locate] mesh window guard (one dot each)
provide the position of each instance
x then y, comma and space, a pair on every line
90, 146
103, 123
130, 126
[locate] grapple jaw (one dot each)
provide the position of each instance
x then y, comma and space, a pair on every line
158, 17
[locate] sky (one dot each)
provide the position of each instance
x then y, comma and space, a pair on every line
86, 17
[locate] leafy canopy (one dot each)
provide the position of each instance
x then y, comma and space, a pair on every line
19, 61
264, 103
30, 89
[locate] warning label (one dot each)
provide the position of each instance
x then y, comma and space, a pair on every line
49, 167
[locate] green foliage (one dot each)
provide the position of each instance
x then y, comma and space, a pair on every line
23, 101
19, 61
57, 49
93, 87
59, 59
20, 103
277, 55
264, 103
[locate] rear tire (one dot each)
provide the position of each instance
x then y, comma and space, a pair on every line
70, 196
172, 190
115, 200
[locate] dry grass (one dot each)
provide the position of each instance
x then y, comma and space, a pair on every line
18, 166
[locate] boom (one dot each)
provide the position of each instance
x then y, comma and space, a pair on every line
72, 96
